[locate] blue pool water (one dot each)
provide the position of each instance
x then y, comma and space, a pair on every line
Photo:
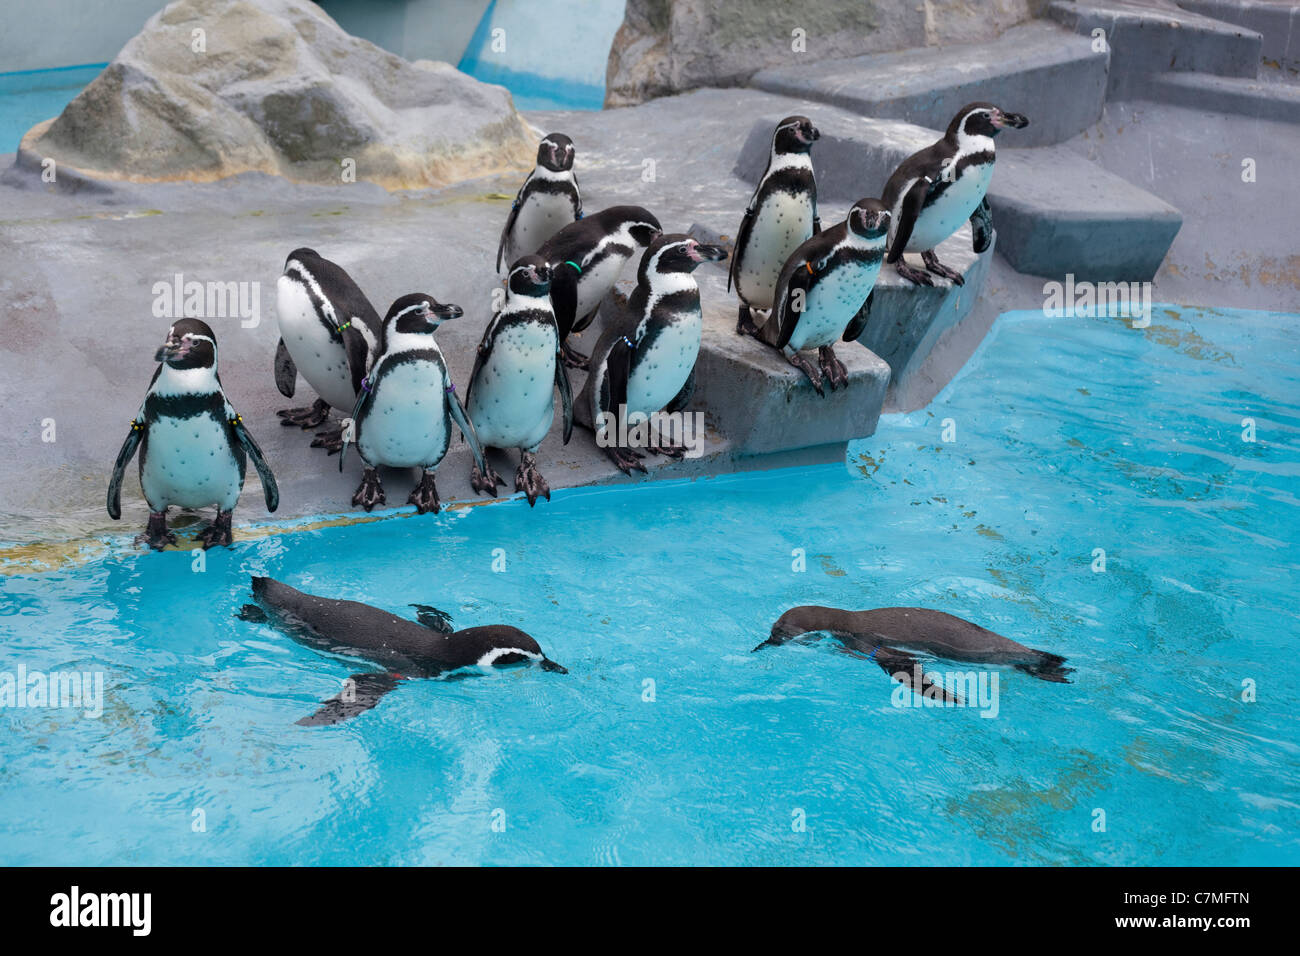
28, 97
1070, 435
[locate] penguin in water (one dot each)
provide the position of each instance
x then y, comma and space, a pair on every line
510, 396
402, 649
548, 200
782, 214
194, 448
937, 189
408, 402
823, 291
887, 635
586, 259
647, 364
330, 333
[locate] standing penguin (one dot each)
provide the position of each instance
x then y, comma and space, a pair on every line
329, 332
510, 394
548, 200
193, 445
937, 189
823, 290
586, 259
408, 402
649, 365
781, 215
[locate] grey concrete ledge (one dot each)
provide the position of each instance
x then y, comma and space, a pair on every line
1040, 69
1227, 94
1278, 22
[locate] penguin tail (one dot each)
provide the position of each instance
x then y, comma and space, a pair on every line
1048, 667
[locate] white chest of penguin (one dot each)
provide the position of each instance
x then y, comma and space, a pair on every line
832, 304
951, 208
322, 361
405, 423
188, 463
661, 365
516, 383
540, 217
781, 224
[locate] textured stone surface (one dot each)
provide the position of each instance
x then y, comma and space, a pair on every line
1039, 69
1277, 21
1277, 100
668, 46
278, 88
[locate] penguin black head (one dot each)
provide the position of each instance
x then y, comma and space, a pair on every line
640, 222
555, 152
983, 119
190, 344
794, 134
530, 275
869, 218
677, 252
419, 313
301, 254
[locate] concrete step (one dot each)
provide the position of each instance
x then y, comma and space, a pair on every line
1158, 37
1276, 21
1055, 212
1227, 94
1041, 69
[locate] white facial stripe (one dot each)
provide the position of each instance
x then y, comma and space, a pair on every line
298, 269
492, 656
411, 308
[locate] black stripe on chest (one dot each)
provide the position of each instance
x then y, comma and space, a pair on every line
668, 311
941, 184
794, 180
190, 405
550, 187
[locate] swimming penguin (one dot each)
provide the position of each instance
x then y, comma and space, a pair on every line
937, 189
887, 634
782, 214
408, 402
402, 649
329, 332
510, 396
193, 445
823, 291
648, 364
586, 259
548, 200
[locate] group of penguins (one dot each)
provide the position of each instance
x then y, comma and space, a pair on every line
800, 288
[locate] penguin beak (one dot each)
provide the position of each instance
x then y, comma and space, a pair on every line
171, 349
549, 665
874, 221
541, 275
1014, 120
447, 310
703, 253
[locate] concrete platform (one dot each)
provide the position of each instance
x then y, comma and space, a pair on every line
1040, 69
1149, 37
1257, 99
1276, 21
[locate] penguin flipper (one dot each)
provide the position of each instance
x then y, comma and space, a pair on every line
365, 692
269, 488
912, 205
681, 398
906, 669
858, 324
119, 468
738, 248
981, 227
358, 351
433, 618
363, 396
286, 372
483, 351
792, 298
510, 220
566, 394
618, 366
564, 297
466, 427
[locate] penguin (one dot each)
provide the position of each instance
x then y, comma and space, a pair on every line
517, 369
329, 332
403, 416
548, 200
194, 447
647, 363
586, 258
402, 649
937, 189
886, 635
782, 214
823, 290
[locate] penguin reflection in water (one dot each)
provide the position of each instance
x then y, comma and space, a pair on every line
194, 447
403, 417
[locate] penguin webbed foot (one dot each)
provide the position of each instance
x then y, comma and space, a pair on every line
834, 370
370, 492
305, 418
155, 534
529, 481
810, 370
574, 359
745, 322
938, 268
675, 452
425, 495
331, 439
485, 484
627, 459
915, 276
217, 533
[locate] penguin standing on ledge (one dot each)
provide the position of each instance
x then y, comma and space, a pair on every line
823, 291
408, 402
547, 202
781, 215
194, 448
330, 333
937, 189
586, 258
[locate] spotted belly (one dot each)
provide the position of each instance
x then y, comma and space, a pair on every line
188, 463
781, 225
405, 424
662, 366
512, 403
540, 217
831, 305
320, 360
950, 209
